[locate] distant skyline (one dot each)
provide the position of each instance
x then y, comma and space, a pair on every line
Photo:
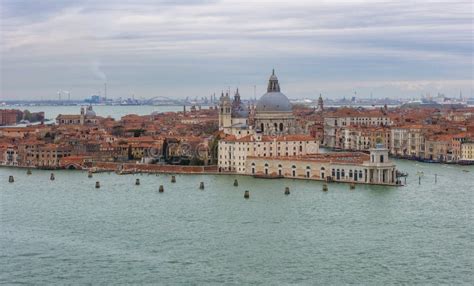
195, 48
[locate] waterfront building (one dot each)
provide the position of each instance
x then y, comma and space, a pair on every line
408, 141
86, 117
373, 168
9, 155
467, 151
10, 116
233, 152
272, 133
360, 138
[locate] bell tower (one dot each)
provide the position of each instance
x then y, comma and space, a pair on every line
225, 111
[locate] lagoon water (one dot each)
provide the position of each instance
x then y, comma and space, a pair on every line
114, 111
67, 232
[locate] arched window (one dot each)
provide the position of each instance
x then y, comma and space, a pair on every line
281, 127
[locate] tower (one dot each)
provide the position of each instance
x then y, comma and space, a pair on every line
83, 115
320, 103
225, 111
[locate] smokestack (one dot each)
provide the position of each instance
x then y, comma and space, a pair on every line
105, 91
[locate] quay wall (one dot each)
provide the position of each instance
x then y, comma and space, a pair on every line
151, 168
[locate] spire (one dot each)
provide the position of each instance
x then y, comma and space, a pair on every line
273, 85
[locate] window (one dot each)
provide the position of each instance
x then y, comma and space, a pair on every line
381, 158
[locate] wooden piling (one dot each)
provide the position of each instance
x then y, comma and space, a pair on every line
161, 189
325, 187
11, 179
97, 185
236, 183
246, 195
201, 186
52, 178
287, 190
173, 179
137, 182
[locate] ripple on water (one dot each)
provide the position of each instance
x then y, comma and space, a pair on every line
67, 232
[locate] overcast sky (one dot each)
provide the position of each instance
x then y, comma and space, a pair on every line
195, 48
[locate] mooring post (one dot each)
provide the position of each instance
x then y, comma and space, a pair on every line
236, 183
287, 190
97, 185
137, 182
52, 177
28, 172
325, 187
352, 186
201, 186
173, 179
246, 195
161, 189
436, 178
11, 179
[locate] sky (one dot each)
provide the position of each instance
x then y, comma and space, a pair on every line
177, 49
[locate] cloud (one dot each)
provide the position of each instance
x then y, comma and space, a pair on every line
224, 41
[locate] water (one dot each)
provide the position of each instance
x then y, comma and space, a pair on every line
66, 231
51, 112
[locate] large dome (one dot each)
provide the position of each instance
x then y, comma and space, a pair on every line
274, 101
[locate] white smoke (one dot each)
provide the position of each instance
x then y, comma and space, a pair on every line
98, 72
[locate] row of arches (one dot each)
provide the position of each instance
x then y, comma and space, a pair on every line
307, 170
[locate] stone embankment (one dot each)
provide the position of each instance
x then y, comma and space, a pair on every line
127, 168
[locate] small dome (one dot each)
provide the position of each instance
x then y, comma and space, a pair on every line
274, 101
90, 112
240, 111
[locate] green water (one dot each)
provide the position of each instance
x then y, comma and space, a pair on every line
67, 232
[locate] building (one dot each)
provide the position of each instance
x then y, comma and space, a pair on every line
271, 134
274, 113
86, 117
373, 168
467, 151
345, 117
233, 152
273, 146
9, 116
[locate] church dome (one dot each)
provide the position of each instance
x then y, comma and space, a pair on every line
90, 112
239, 109
273, 100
